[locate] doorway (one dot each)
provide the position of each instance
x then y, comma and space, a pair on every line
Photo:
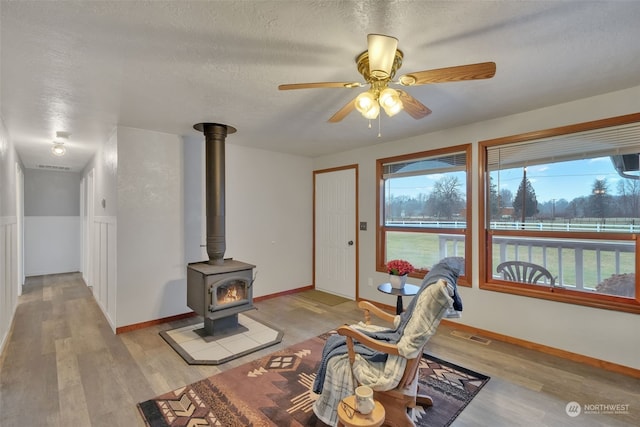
335, 237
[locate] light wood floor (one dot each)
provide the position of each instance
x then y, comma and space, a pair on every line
62, 366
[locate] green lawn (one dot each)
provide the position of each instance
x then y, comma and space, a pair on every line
423, 251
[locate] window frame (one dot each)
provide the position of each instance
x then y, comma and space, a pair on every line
486, 267
381, 229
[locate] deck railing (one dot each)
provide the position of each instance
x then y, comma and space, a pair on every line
633, 226
569, 260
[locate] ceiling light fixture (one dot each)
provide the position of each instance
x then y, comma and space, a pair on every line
382, 55
58, 149
378, 65
368, 103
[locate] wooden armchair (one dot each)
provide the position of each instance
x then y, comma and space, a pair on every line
398, 401
525, 272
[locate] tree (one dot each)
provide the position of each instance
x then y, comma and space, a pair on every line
525, 197
506, 198
599, 199
629, 191
576, 208
446, 197
494, 199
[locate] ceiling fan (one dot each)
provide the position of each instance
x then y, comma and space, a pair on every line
378, 65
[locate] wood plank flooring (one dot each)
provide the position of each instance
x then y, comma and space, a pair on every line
63, 366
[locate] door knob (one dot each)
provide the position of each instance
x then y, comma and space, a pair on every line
350, 242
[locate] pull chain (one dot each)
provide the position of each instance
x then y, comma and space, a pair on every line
379, 133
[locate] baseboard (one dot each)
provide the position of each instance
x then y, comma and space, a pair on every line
279, 294
575, 357
142, 325
7, 336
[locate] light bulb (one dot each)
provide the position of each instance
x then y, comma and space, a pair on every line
58, 149
364, 101
390, 101
372, 112
393, 110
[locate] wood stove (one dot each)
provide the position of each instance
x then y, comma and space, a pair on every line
218, 289
219, 292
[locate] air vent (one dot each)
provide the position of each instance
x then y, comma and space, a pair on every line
53, 167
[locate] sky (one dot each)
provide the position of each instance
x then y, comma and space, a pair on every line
564, 180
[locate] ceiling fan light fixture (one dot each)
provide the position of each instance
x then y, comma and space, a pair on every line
365, 101
392, 111
58, 149
367, 105
390, 101
372, 112
382, 54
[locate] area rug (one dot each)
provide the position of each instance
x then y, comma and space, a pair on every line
275, 390
323, 297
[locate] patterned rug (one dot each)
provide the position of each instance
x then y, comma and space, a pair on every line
275, 390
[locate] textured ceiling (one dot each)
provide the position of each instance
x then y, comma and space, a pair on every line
86, 67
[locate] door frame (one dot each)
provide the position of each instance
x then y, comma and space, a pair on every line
355, 219
19, 228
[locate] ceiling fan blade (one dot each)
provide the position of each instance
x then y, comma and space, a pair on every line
382, 53
483, 70
343, 112
412, 106
348, 85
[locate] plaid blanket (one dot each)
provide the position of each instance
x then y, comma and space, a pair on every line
337, 380
447, 269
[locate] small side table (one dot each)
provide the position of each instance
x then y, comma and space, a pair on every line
407, 290
374, 419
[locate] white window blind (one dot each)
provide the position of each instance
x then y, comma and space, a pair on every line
429, 165
610, 141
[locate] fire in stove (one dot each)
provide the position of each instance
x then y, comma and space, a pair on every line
231, 292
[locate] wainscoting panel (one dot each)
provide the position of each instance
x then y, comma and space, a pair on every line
8, 274
104, 268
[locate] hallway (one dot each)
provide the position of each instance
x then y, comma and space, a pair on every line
63, 363
63, 366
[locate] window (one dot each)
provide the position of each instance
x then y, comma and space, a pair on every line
423, 202
565, 201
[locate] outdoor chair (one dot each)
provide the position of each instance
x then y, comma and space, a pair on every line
525, 272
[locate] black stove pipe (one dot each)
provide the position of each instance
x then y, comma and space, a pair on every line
215, 135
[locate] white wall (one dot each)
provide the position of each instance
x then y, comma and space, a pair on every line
52, 244
151, 270
8, 234
101, 229
161, 228
270, 216
52, 222
602, 334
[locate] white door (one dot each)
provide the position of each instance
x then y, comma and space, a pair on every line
335, 232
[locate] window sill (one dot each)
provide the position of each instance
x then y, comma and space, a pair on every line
607, 302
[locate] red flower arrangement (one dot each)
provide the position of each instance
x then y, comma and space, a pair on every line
399, 267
